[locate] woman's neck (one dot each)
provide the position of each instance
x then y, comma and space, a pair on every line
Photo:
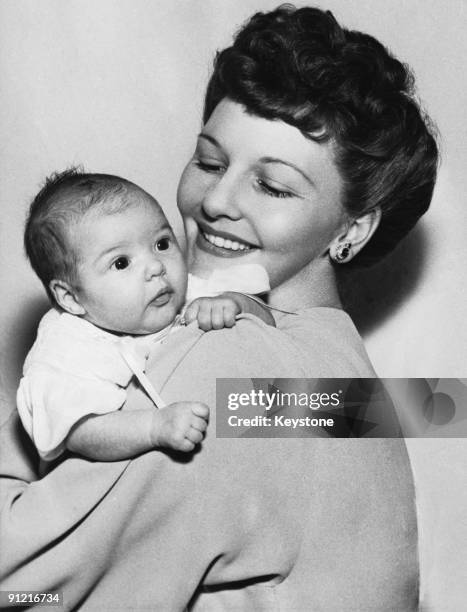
311, 287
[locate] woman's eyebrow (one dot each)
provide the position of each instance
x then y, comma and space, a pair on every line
210, 139
277, 160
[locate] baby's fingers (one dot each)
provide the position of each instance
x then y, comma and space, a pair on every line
194, 436
229, 313
191, 312
217, 315
200, 410
204, 315
199, 424
185, 445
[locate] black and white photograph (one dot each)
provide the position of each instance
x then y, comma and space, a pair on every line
233, 338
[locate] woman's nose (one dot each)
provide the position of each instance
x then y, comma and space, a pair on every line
154, 267
221, 199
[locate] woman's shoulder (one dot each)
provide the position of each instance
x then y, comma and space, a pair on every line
249, 349
315, 343
330, 337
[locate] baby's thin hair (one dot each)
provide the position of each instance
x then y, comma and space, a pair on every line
61, 203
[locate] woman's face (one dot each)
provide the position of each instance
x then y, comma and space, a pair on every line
258, 191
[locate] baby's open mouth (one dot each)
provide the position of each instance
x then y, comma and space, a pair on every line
162, 297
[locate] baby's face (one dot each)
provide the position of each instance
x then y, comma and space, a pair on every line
131, 272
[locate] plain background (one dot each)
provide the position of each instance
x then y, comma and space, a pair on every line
117, 86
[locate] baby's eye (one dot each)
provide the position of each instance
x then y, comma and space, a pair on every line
121, 263
163, 244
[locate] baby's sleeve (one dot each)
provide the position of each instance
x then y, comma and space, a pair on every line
51, 401
73, 370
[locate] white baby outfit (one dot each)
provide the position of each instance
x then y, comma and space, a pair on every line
75, 369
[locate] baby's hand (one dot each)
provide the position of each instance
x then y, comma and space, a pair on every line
180, 426
213, 312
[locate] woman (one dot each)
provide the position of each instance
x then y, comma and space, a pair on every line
313, 155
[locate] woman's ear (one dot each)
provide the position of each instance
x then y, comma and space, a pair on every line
358, 233
65, 297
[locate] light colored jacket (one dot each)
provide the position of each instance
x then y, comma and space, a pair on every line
244, 524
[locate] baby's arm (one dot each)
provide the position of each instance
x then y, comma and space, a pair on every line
124, 434
219, 312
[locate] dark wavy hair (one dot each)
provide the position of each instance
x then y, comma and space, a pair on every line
61, 203
301, 66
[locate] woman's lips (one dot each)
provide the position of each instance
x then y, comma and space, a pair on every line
222, 243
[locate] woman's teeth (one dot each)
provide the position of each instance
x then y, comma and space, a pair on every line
225, 243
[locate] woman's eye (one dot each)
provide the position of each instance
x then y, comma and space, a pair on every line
163, 244
272, 191
209, 166
121, 263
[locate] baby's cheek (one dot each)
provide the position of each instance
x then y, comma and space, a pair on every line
181, 295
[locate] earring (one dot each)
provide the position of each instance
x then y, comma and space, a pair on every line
342, 252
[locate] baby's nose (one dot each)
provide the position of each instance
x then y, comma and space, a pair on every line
154, 267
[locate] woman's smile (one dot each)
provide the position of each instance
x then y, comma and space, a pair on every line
225, 244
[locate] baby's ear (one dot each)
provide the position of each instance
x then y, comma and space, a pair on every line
65, 297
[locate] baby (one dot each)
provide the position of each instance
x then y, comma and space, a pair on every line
112, 267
